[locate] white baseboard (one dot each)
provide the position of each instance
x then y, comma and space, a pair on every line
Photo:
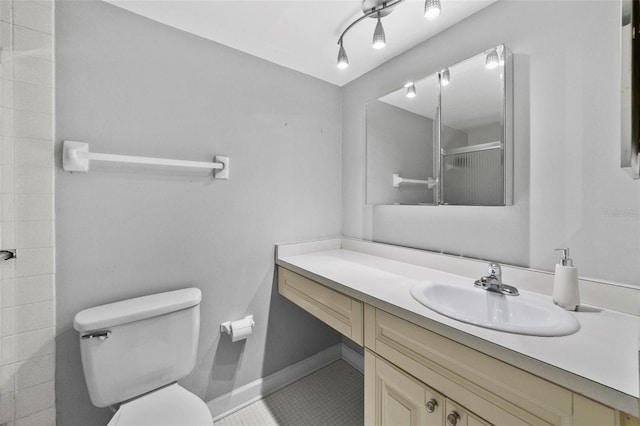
258, 389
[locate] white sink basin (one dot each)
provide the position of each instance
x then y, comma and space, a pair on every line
527, 313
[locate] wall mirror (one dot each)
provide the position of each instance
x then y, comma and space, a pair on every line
444, 139
630, 92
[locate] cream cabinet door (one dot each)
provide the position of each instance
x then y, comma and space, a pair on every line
393, 398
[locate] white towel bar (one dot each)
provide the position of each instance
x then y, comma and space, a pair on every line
76, 156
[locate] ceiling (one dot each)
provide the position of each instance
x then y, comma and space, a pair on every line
303, 34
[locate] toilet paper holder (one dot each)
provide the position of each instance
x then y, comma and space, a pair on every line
229, 326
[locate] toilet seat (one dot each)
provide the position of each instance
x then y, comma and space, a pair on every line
172, 405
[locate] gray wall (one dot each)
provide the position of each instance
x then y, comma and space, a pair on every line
129, 85
569, 188
398, 141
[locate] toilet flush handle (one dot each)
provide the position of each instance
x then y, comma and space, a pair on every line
102, 335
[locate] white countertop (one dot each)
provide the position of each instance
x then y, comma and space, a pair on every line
599, 361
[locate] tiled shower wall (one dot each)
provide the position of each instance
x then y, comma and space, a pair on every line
27, 295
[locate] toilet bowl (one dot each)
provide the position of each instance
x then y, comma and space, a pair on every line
170, 406
134, 351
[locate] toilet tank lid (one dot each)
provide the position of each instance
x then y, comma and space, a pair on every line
139, 308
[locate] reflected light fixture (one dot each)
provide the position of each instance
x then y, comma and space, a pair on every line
378, 9
431, 9
492, 60
445, 77
411, 89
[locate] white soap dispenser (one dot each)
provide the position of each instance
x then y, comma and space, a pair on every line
565, 285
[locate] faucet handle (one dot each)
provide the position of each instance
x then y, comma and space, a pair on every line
494, 269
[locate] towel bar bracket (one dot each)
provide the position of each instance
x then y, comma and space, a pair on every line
222, 173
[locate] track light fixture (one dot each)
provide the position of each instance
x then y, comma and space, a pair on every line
379, 39
431, 9
378, 9
343, 60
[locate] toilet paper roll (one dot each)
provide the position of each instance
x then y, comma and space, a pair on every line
239, 333
242, 328
243, 323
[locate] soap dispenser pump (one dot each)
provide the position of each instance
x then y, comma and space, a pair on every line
565, 285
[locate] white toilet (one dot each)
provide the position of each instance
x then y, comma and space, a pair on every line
134, 351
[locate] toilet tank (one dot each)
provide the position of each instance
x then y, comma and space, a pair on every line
137, 345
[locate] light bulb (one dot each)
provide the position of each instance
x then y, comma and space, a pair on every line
492, 60
343, 60
379, 39
411, 90
445, 77
431, 9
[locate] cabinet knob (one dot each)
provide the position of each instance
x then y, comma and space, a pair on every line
432, 404
453, 418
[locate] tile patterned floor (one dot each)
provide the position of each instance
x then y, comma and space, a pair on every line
332, 396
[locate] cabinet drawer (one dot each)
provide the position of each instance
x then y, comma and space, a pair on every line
466, 375
335, 309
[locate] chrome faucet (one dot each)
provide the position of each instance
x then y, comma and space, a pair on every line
493, 281
495, 271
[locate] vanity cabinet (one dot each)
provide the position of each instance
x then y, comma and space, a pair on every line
414, 376
497, 392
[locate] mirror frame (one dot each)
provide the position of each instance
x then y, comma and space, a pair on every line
630, 87
508, 128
